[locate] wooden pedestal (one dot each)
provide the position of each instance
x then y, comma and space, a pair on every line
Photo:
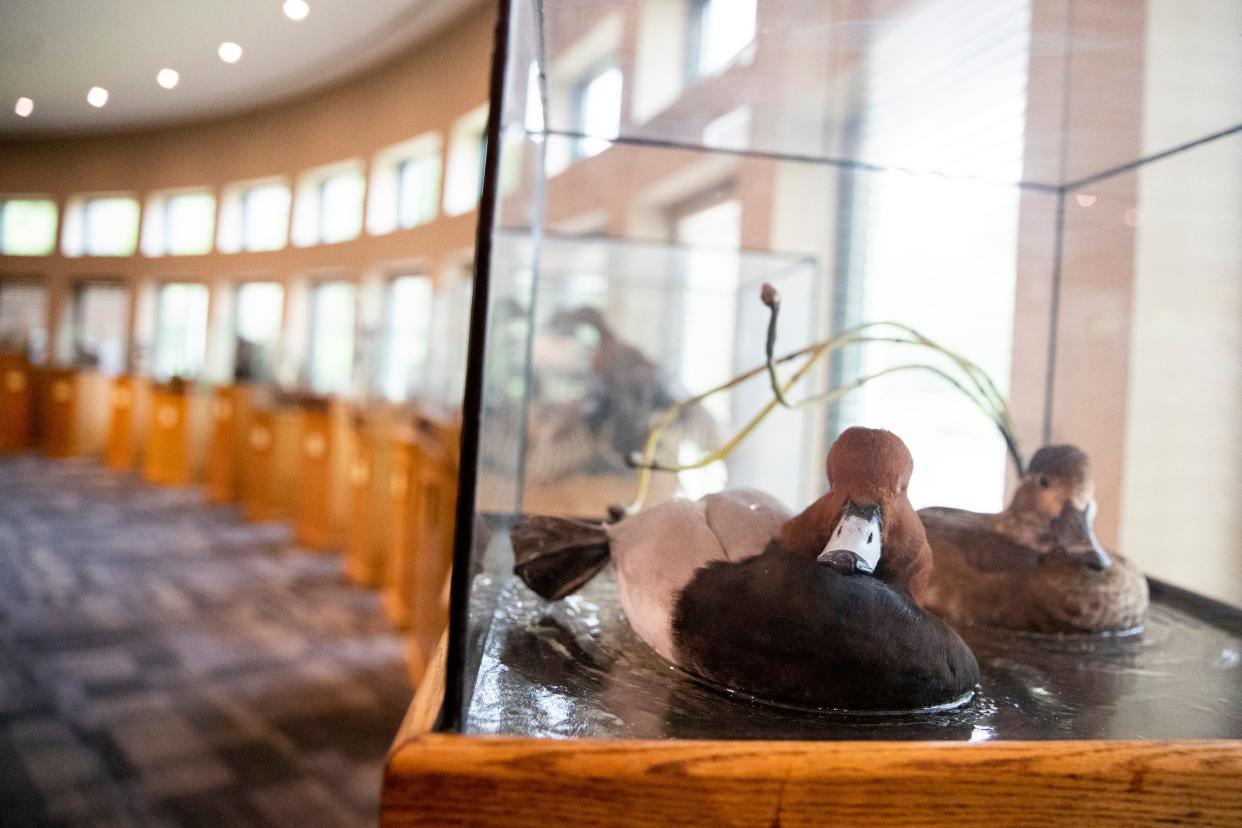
168, 441
17, 393
228, 417
269, 464
368, 504
423, 487
129, 403
314, 517
450, 779
74, 412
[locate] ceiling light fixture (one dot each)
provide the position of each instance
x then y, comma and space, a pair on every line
168, 78
24, 107
229, 52
1084, 200
97, 97
296, 9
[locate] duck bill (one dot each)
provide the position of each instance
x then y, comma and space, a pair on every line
854, 544
1074, 533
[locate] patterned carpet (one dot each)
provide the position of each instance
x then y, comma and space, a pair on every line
164, 663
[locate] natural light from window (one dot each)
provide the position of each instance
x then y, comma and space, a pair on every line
724, 29
259, 314
101, 226
265, 217
27, 227
407, 334
179, 224
333, 316
597, 108
181, 331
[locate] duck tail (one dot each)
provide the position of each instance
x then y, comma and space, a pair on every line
555, 556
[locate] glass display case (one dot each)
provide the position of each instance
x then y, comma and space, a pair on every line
1049, 189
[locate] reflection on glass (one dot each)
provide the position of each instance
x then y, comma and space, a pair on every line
100, 327
719, 31
597, 108
260, 310
189, 220
23, 319
181, 331
332, 337
407, 336
340, 207
27, 227
110, 227
265, 217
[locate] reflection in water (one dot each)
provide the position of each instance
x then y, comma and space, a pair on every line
575, 669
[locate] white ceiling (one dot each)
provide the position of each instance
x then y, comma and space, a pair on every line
53, 51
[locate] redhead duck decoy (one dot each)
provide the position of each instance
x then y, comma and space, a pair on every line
1037, 566
814, 610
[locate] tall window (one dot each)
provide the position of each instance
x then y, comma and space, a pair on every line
407, 336
720, 31
265, 217
463, 179
597, 110
340, 207
27, 227
101, 226
181, 330
101, 326
179, 224
418, 190
259, 313
23, 318
333, 318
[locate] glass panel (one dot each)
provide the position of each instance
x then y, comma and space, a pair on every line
27, 227
332, 337
260, 312
265, 217
189, 223
110, 227
101, 327
340, 207
407, 334
181, 331
23, 319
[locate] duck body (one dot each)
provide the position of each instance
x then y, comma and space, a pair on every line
813, 610
1036, 567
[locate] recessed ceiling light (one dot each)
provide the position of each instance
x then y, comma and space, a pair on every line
296, 9
1084, 200
229, 52
168, 78
24, 107
97, 97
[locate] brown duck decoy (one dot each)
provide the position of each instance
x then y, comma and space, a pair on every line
813, 610
1037, 566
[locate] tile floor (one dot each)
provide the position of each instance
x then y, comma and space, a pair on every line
164, 663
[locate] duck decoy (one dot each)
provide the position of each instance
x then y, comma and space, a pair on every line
815, 610
1037, 566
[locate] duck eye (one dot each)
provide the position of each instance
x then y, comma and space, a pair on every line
1044, 482
870, 535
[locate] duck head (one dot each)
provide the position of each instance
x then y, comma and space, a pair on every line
1053, 509
861, 525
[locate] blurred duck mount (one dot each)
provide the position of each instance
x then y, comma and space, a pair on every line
1006, 232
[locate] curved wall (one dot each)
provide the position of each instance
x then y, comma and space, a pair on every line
426, 89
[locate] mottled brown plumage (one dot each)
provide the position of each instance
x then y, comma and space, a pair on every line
1035, 567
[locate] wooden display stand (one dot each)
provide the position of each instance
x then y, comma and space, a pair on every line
443, 778
172, 447
367, 513
229, 419
129, 402
269, 463
424, 495
317, 495
74, 412
17, 400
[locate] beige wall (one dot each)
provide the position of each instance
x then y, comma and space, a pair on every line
426, 89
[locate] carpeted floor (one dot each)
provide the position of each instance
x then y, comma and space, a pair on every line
164, 663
